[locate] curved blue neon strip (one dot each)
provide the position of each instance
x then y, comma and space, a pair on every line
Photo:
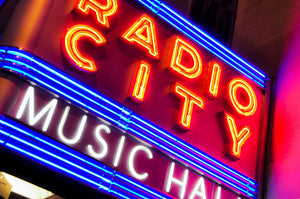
59, 157
162, 10
51, 78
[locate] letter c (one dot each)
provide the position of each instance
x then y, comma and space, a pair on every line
71, 46
131, 159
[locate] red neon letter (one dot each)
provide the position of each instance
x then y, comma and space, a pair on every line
189, 100
215, 79
251, 107
143, 33
71, 39
176, 60
237, 139
102, 11
141, 81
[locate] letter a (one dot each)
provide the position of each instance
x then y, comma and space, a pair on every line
143, 33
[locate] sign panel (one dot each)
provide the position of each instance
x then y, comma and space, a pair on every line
110, 145
169, 92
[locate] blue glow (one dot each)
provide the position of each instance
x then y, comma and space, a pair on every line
37, 157
43, 82
157, 194
211, 169
206, 170
192, 31
159, 131
200, 32
128, 189
61, 84
59, 158
19, 139
1, 2
58, 146
48, 76
120, 195
68, 79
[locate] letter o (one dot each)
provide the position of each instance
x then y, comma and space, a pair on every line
250, 108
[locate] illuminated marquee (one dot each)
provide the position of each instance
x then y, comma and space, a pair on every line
126, 53
108, 144
143, 33
64, 88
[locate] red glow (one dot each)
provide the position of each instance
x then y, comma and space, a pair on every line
102, 11
141, 81
143, 33
215, 80
176, 64
248, 110
71, 41
190, 99
237, 139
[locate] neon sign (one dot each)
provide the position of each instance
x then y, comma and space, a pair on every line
70, 88
143, 33
71, 40
176, 61
190, 99
125, 52
124, 156
251, 107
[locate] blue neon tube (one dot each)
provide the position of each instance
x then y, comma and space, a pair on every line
53, 79
59, 157
191, 30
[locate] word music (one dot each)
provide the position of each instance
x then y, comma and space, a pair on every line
142, 33
121, 152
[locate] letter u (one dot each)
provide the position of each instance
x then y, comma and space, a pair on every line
78, 133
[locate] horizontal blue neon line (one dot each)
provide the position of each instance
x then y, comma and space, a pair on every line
125, 111
147, 123
206, 167
80, 95
70, 80
191, 148
132, 182
19, 138
210, 172
124, 114
43, 82
199, 36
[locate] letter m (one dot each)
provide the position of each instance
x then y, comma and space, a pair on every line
28, 101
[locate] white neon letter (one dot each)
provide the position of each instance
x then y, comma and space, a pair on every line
79, 131
199, 192
119, 151
29, 99
182, 183
101, 141
218, 193
131, 159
